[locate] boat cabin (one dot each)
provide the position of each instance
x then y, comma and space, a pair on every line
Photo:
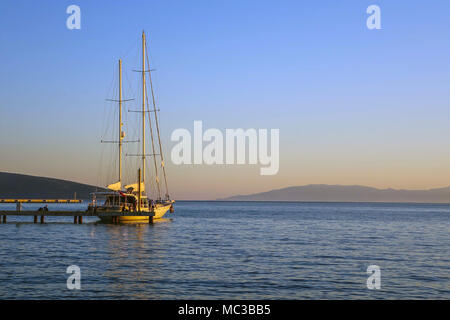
121, 202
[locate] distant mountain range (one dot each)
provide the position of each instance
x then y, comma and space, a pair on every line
13, 185
339, 193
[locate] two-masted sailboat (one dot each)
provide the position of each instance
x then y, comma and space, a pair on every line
132, 198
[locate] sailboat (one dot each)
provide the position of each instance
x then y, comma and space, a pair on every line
133, 198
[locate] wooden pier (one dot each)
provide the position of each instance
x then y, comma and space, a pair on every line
40, 201
77, 215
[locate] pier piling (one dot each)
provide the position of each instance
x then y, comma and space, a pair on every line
42, 219
35, 219
80, 219
4, 218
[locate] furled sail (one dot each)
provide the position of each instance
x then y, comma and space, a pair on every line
135, 186
115, 186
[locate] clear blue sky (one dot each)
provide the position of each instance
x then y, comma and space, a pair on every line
354, 106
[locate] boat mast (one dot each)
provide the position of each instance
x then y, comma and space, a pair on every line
118, 185
143, 107
139, 190
151, 127
120, 122
159, 136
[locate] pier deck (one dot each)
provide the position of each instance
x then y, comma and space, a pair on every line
78, 215
40, 201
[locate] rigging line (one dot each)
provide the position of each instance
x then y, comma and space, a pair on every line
150, 176
130, 88
99, 170
153, 150
133, 94
111, 108
151, 133
106, 170
109, 169
115, 141
157, 124
147, 111
105, 107
131, 47
123, 100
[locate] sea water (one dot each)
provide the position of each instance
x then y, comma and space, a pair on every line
234, 250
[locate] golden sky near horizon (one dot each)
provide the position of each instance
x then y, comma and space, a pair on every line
401, 169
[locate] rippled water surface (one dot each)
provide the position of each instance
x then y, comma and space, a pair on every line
241, 250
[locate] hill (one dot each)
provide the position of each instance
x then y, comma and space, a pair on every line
340, 193
13, 185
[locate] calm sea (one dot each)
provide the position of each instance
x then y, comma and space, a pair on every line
240, 250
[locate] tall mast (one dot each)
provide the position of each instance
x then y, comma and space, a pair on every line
159, 136
143, 107
150, 125
120, 121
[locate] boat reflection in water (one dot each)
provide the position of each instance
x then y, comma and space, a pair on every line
132, 262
